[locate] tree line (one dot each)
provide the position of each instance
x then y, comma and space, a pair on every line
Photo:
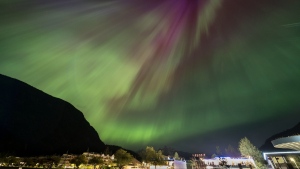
121, 158
149, 155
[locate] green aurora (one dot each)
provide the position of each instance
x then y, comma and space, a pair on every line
147, 73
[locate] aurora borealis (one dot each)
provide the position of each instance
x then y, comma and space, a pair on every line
161, 72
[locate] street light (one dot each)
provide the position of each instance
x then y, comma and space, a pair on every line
294, 162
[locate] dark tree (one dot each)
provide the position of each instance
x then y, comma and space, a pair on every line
153, 157
54, 160
79, 160
96, 161
11, 160
230, 151
123, 158
218, 151
248, 149
29, 161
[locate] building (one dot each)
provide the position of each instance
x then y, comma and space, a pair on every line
233, 162
291, 142
285, 159
65, 160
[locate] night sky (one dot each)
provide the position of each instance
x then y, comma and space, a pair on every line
189, 74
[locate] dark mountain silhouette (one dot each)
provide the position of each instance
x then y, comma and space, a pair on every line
268, 146
169, 151
35, 123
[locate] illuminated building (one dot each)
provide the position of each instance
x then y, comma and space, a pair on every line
287, 159
291, 142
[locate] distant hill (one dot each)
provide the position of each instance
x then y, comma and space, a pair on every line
35, 123
268, 146
113, 148
169, 151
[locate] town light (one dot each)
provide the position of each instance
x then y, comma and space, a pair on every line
292, 159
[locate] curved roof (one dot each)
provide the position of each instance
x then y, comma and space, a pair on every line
291, 142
